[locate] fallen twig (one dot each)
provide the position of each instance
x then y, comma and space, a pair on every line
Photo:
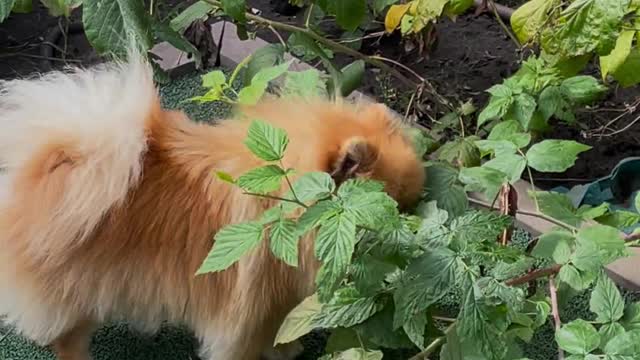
555, 311
534, 275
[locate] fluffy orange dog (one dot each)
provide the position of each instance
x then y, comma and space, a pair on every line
108, 207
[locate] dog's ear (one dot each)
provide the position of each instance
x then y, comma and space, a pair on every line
356, 157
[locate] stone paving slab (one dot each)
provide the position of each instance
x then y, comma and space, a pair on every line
625, 272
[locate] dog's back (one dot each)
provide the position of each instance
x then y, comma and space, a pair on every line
111, 207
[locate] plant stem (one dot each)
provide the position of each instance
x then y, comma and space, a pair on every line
272, 197
435, 344
534, 275
493, 7
529, 213
328, 43
555, 311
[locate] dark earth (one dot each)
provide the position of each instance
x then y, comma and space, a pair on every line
470, 55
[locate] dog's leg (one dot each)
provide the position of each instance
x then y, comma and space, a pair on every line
74, 344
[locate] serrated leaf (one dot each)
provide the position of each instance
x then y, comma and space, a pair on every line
558, 206
370, 209
499, 104
199, 10
346, 309
266, 141
504, 271
625, 344
578, 337
315, 214
299, 321
608, 332
368, 273
511, 165
529, 18
359, 186
478, 226
607, 241
631, 318
606, 301
611, 63
306, 84
552, 102
334, 246
510, 131
484, 179
214, 79
355, 354
478, 335
522, 109
619, 219
265, 57
457, 7
432, 231
415, 329
555, 155
5, 9
461, 152
110, 25
496, 147
442, 186
314, 186
262, 180
571, 276
235, 9
556, 245
231, 244
588, 212
283, 241
427, 280
583, 89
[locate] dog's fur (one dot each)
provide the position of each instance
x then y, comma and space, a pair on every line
108, 206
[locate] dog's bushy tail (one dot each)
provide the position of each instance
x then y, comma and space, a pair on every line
71, 147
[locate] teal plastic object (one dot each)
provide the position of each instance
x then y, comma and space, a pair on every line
619, 189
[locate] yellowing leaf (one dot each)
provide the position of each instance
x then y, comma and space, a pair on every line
394, 16
609, 64
528, 18
627, 74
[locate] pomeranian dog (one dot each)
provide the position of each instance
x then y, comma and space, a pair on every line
109, 205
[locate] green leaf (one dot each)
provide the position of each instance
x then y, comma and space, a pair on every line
164, 32
110, 24
266, 141
461, 152
346, 309
478, 226
608, 332
457, 7
26, 6
415, 329
265, 57
427, 280
558, 206
522, 109
485, 179
306, 84
352, 77
626, 344
553, 102
314, 186
627, 74
609, 64
442, 186
578, 337
606, 301
631, 318
586, 26
301, 45
354, 354
587, 212
556, 245
214, 79
380, 5
510, 131
619, 219
58, 7
235, 9
299, 321
368, 273
199, 10
5, 9
251, 94
370, 209
583, 89
636, 202
316, 214
496, 147
231, 243
504, 271
529, 18
359, 186
499, 104
262, 180
422, 143
597, 246
571, 276
555, 155
226, 177
334, 246
283, 241
349, 14
512, 165
477, 333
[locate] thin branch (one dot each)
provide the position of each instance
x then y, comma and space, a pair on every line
273, 30
624, 128
435, 344
493, 7
400, 65
529, 213
328, 43
534, 275
272, 197
555, 311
